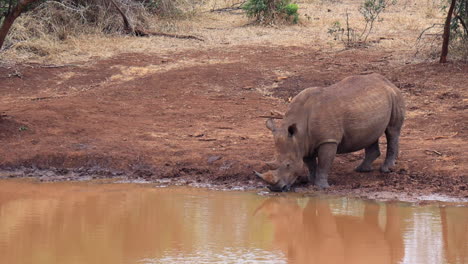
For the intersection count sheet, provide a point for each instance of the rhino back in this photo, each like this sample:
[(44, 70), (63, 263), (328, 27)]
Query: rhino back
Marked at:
[(353, 112)]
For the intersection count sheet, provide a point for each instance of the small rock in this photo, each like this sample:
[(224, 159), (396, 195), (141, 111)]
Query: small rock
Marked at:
[(213, 159), (280, 78)]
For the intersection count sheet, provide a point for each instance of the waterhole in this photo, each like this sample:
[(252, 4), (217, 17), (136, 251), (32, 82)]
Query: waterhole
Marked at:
[(91, 222)]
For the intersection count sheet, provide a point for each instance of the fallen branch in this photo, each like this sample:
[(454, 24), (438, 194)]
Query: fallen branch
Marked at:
[(273, 117), (234, 7), (436, 138), (143, 33), (45, 98), (441, 137), (206, 139), (57, 66)]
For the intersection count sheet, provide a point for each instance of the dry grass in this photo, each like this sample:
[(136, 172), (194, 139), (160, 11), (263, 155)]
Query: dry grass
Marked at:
[(398, 31), (128, 73)]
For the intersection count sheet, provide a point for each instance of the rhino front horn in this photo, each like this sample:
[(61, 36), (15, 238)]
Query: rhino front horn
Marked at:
[(259, 175), (270, 124)]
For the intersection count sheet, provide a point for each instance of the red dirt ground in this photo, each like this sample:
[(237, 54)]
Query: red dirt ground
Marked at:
[(196, 116)]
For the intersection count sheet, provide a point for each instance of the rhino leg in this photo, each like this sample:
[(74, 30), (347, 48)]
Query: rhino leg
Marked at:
[(326, 153), (372, 153), (393, 135), (311, 163)]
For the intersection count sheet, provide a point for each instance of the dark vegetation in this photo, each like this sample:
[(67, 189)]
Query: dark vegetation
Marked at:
[(131, 17)]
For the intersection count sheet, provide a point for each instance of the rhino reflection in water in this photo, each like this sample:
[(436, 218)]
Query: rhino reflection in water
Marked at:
[(314, 235), (320, 122)]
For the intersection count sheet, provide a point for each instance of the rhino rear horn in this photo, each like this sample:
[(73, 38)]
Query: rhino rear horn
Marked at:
[(272, 165)]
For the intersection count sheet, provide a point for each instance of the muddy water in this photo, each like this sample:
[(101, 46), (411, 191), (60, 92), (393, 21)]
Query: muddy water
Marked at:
[(130, 223)]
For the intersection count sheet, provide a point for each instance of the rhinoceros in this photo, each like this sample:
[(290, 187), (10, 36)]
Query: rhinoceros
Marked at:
[(321, 122)]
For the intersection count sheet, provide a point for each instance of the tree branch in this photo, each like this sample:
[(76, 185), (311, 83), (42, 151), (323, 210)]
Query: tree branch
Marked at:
[(424, 31), (11, 17)]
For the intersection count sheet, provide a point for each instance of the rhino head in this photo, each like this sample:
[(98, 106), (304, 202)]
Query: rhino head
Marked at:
[(288, 165)]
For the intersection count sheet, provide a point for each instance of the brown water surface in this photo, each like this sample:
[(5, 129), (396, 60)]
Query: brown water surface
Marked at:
[(138, 223)]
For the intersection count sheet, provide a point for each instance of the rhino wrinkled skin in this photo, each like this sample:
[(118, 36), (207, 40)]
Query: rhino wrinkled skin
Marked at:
[(345, 117)]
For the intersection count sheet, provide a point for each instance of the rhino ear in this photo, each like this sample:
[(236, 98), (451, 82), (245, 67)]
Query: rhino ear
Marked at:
[(270, 124), (292, 130)]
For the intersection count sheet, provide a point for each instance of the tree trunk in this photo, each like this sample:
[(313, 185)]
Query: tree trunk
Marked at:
[(446, 36), (10, 18), (127, 25), (466, 9)]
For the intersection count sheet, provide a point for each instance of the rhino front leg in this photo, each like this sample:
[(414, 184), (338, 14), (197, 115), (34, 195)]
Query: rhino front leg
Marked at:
[(326, 153), (393, 135), (372, 153), (311, 163)]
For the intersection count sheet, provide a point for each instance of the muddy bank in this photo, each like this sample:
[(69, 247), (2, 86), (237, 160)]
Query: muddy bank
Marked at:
[(196, 117), (395, 186)]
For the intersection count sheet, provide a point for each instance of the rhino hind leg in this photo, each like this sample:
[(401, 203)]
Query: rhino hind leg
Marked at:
[(393, 135), (372, 153), (326, 153)]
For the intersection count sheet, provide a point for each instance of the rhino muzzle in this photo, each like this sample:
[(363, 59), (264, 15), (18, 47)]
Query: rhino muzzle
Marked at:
[(279, 188), (274, 184)]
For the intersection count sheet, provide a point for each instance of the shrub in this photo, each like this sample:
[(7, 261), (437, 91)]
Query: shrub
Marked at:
[(370, 11), (291, 11), (269, 11)]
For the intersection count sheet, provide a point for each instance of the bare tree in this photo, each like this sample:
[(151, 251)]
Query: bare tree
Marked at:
[(446, 36), (11, 16), (130, 29)]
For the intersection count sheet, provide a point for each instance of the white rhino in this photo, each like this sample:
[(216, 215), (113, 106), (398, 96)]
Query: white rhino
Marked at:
[(345, 117)]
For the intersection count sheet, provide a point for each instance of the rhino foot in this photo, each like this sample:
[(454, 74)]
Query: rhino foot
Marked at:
[(303, 180), (385, 169), (322, 184), (361, 168)]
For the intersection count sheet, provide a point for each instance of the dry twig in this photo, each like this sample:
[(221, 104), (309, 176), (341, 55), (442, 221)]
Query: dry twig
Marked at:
[(433, 151)]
